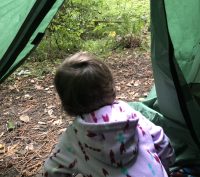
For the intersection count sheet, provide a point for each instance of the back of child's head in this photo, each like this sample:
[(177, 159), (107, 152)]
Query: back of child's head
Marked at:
[(84, 84)]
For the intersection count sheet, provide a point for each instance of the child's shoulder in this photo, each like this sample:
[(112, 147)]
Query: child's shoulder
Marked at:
[(120, 102), (124, 105)]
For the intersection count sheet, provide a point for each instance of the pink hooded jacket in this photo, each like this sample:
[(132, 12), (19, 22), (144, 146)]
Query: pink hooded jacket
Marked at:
[(114, 141)]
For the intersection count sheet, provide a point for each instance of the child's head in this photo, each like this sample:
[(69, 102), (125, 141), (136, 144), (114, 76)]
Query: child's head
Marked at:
[(84, 84)]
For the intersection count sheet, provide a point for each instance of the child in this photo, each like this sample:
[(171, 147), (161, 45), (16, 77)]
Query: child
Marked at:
[(107, 138)]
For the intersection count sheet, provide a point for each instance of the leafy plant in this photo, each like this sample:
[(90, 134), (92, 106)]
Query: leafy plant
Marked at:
[(95, 26)]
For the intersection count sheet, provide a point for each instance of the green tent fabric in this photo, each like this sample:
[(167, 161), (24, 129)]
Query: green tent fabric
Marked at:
[(22, 25), (174, 101)]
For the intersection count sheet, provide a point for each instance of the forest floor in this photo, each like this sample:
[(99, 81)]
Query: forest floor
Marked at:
[(31, 115)]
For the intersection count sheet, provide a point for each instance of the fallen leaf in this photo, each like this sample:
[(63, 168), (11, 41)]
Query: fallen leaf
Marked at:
[(57, 122), (118, 88), (145, 94), (70, 122), (10, 125), (42, 123), (22, 152), (1, 134), (39, 87), (24, 72), (24, 118), (129, 84), (27, 96), (40, 127), (50, 112), (62, 130), (32, 81), (12, 149), (2, 149), (137, 82), (141, 99), (11, 87), (29, 147), (51, 106), (136, 94), (26, 110), (132, 93)]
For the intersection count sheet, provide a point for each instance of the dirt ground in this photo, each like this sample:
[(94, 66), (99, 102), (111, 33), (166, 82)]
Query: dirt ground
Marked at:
[(32, 120)]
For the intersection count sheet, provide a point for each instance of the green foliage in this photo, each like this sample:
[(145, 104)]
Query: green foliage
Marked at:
[(73, 23), (95, 26), (100, 47), (129, 16)]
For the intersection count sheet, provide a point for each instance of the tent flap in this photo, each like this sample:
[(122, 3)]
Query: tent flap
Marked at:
[(25, 30), (174, 51)]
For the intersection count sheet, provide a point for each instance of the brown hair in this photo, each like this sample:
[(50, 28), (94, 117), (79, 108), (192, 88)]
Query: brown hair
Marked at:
[(84, 84)]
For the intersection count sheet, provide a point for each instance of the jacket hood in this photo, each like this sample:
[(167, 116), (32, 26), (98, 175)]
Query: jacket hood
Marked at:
[(109, 134)]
